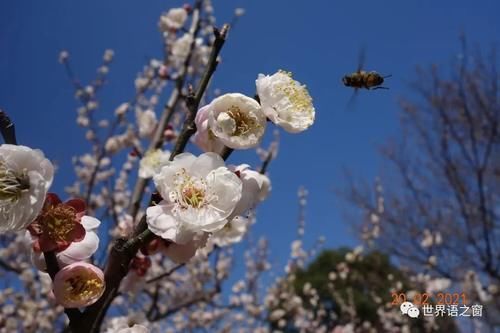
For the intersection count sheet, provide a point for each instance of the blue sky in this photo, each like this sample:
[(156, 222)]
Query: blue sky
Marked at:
[(318, 41)]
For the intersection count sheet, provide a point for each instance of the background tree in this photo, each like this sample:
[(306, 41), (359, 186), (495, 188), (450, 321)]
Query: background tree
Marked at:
[(356, 289), (438, 213)]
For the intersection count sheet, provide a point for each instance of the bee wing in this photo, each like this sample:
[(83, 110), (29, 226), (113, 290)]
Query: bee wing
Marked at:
[(352, 101), (361, 59)]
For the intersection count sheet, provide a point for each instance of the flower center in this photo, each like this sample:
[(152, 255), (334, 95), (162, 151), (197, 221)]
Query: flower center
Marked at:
[(190, 192), (83, 287), (12, 184), (297, 94), (235, 122), (59, 222)]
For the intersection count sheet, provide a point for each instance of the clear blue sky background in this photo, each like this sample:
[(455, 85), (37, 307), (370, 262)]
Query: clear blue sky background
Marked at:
[(317, 40)]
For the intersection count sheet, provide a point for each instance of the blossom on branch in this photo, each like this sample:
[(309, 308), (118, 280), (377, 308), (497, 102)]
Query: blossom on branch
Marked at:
[(146, 121), (152, 162), (79, 284), (204, 138), (285, 101), (236, 120), (232, 232), (173, 19), (25, 177), (58, 224), (76, 251), (199, 193), (181, 48), (256, 188)]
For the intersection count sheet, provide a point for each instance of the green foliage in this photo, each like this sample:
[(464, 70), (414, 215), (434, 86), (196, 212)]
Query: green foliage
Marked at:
[(369, 277), (365, 278)]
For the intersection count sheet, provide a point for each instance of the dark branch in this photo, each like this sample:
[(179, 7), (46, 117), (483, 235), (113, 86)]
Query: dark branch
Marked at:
[(7, 129)]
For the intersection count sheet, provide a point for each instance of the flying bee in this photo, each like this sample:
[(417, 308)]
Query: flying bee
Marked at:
[(362, 79)]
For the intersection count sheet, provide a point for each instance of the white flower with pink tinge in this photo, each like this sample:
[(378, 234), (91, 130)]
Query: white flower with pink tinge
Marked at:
[(199, 193), (25, 177), (236, 120), (285, 101), (204, 138), (79, 284)]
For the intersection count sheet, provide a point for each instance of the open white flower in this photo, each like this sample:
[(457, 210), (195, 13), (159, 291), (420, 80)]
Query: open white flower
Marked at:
[(232, 232), (146, 121), (152, 162), (256, 188), (199, 194), (173, 19), (236, 120), (25, 177), (285, 101)]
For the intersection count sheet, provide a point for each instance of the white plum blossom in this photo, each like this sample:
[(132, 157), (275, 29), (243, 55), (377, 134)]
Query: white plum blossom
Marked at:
[(25, 177), (204, 138), (285, 101), (256, 188), (146, 121), (173, 19), (76, 251), (236, 120), (152, 162), (181, 47), (232, 232), (108, 55), (199, 193)]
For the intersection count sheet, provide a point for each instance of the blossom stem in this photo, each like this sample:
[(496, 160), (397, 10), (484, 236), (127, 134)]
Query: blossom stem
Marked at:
[(226, 152), (265, 164)]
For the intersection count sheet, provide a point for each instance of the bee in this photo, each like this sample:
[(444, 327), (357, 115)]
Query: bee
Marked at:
[(362, 79)]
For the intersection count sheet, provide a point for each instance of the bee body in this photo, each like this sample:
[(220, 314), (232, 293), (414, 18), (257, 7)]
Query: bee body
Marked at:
[(362, 79)]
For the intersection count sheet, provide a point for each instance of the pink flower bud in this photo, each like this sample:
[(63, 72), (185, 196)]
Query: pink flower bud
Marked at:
[(79, 284)]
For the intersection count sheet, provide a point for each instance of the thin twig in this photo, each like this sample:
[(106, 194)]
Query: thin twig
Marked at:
[(168, 112), (167, 273), (193, 99)]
